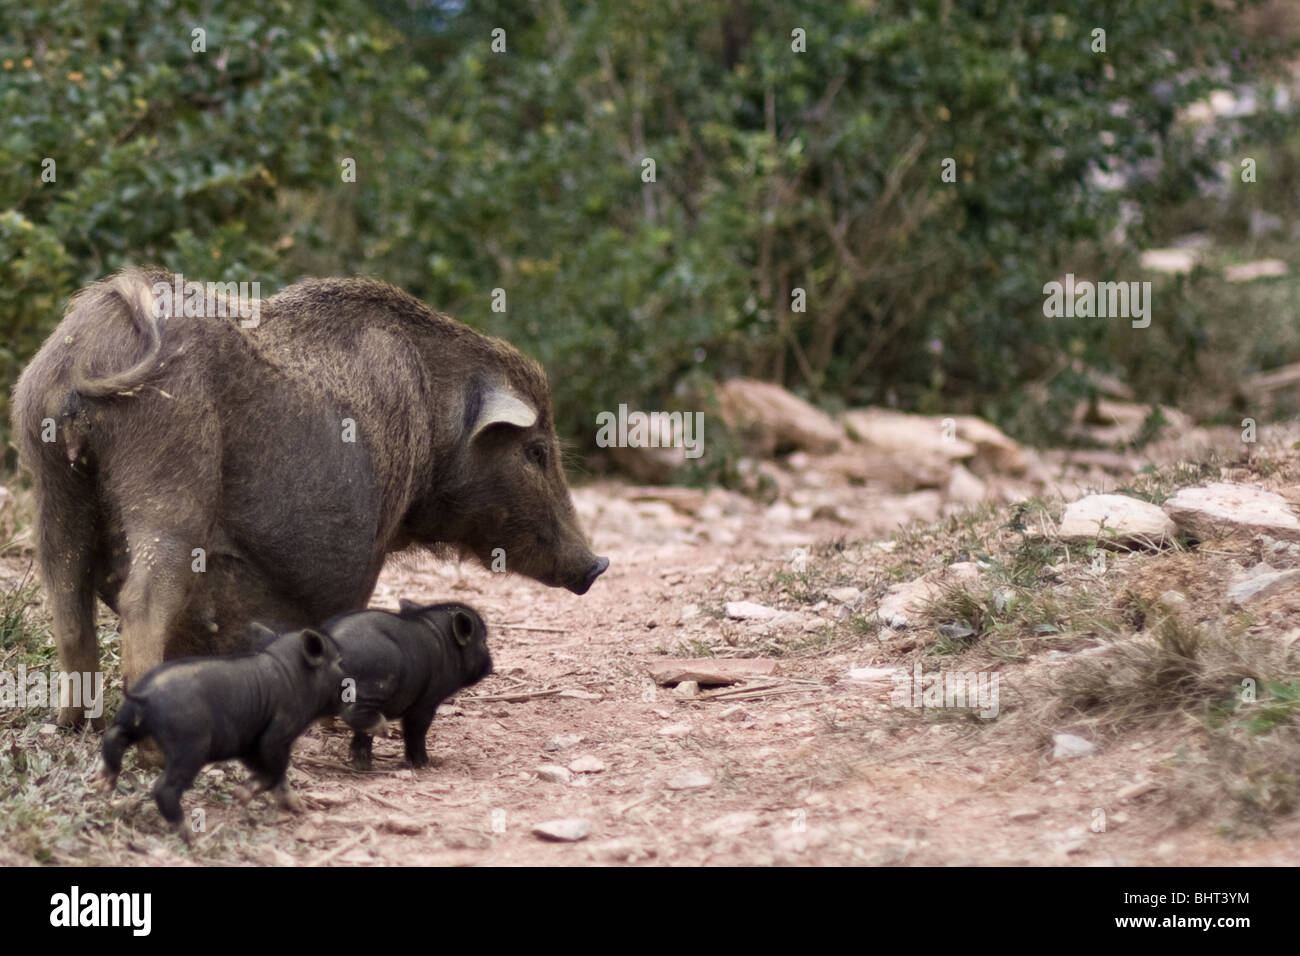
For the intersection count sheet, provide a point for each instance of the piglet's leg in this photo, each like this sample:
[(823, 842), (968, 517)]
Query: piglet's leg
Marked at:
[(178, 778), (415, 727), (360, 751)]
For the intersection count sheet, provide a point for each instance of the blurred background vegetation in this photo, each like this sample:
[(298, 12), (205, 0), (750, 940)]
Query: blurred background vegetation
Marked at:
[(775, 170)]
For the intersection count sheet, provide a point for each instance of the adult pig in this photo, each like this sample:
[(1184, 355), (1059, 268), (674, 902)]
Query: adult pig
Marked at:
[(404, 665), (200, 475)]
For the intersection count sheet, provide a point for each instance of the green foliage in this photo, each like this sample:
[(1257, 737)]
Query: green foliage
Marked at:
[(522, 170)]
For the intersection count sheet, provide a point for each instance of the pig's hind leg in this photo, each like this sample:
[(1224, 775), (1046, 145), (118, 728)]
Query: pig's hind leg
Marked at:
[(176, 779)]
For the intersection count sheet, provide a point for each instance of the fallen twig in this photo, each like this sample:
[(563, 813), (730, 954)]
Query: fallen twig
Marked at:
[(342, 848), (510, 698), (530, 627)]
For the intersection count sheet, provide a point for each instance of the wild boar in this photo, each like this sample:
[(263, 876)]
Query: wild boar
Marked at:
[(404, 665), (199, 475), (204, 709)]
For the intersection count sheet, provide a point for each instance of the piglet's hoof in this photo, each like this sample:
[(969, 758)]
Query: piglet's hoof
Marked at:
[(243, 794), (287, 799), (105, 782)]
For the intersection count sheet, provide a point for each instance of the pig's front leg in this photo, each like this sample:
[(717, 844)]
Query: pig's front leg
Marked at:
[(360, 751), (270, 765), (415, 727)]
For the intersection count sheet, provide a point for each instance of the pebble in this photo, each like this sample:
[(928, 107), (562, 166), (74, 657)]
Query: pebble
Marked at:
[(567, 830)]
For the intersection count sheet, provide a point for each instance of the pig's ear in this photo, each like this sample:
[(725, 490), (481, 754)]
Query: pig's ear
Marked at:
[(407, 607), (261, 634), (315, 648), (462, 626), (502, 407)]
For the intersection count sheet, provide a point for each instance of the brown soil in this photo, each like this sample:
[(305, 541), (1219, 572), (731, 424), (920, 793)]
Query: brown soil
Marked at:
[(817, 770)]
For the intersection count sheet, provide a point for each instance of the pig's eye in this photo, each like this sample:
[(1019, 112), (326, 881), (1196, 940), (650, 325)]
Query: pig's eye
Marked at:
[(537, 455)]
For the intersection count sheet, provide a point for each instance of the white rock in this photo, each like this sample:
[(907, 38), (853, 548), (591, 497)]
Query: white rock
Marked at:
[(554, 773), (1069, 745), (562, 742), (675, 730), (963, 488), (904, 601), (772, 419), (579, 695), (1249, 271), (1168, 260), (844, 595), (1262, 582), (1223, 508), (690, 780), (587, 764), (687, 688), (1117, 518), (874, 675), (568, 830), (749, 611), (732, 824)]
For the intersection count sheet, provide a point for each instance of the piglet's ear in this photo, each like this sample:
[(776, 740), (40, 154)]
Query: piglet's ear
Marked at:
[(462, 626), (315, 648), (407, 607)]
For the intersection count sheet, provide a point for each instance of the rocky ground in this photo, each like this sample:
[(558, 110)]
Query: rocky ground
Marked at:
[(729, 692)]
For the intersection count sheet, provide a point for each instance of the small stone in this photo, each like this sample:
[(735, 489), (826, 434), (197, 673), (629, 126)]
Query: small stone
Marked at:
[(689, 613), (554, 773), (732, 824), (579, 695), (844, 595), (568, 830), (620, 850), (687, 688), (587, 764), (47, 730), (1135, 790), (1020, 816), (1070, 745), (749, 611), (562, 742), (675, 730), (1262, 582), (690, 780)]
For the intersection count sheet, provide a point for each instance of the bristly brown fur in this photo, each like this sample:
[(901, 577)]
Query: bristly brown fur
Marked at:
[(203, 475)]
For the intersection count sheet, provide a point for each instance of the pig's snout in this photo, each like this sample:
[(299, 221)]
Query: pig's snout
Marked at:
[(593, 572)]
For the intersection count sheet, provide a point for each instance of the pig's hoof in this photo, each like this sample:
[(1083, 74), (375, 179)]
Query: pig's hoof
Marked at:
[(243, 794), (105, 783), (184, 832), (361, 762), (291, 802), (418, 760)]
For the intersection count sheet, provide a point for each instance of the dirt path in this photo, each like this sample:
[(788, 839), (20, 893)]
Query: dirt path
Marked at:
[(818, 769), (824, 772)]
